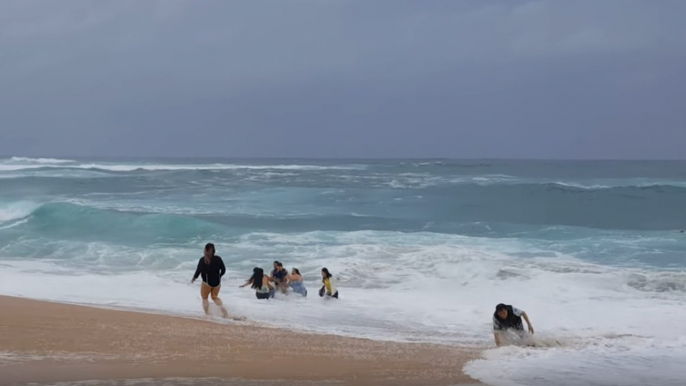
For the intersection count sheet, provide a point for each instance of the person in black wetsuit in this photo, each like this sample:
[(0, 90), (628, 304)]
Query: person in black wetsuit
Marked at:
[(211, 268), (507, 318)]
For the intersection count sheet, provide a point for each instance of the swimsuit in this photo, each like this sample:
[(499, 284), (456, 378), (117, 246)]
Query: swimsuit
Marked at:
[(264, 293), (211, 273)]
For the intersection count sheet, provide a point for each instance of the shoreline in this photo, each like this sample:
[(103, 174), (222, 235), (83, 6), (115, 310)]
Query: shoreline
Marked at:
[(43, 342)]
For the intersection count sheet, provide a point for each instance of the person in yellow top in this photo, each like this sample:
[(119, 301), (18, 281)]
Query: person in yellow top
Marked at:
[(328, 288)]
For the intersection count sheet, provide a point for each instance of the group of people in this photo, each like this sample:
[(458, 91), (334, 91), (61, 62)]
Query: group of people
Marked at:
[(211, 268), (280, 279), (507, 320)]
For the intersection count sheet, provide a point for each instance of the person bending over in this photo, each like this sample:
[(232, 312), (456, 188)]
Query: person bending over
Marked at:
[(509, 319), (328, 288)]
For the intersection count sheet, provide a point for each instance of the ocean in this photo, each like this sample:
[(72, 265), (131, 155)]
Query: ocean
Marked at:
[(423, 251)]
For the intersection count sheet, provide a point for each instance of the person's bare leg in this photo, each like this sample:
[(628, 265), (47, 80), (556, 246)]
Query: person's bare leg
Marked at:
[(205, 290), (218, 302)]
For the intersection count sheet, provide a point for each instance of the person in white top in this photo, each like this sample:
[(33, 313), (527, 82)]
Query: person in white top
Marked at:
[(509, 319)]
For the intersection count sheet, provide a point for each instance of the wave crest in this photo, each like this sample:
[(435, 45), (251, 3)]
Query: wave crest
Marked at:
[(17, 210), (65, 164), (40, 160)]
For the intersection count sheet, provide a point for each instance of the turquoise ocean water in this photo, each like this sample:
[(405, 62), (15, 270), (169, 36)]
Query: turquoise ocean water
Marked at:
[(423, 250)]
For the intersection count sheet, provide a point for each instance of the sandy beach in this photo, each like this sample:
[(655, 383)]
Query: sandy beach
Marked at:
[(48, 343)]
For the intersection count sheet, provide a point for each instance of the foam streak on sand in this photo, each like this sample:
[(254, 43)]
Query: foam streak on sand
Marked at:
[(47, 343)]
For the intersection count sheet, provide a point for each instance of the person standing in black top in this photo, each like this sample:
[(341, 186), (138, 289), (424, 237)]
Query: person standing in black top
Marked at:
[(211, 268)]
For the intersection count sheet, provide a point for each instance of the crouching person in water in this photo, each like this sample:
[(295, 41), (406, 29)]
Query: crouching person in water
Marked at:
[(328, 288), (295, 280), (211, 268), (507, 323), (260, 283)]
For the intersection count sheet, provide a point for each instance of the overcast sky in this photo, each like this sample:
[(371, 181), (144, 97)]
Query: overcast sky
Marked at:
[(298, 78)]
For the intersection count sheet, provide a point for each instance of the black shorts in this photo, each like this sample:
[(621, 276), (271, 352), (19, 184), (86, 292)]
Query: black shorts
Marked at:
[(322, 293), (262, 295)]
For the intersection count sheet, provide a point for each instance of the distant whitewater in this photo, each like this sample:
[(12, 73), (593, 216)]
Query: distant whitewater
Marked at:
[(423, 250)]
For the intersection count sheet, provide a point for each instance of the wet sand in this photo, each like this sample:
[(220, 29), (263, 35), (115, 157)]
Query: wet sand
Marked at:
[(59, 344)]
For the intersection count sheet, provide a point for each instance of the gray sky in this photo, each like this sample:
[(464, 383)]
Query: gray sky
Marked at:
[(297, 78)]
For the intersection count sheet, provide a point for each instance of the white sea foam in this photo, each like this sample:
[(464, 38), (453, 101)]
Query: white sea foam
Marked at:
[(7, 225), (16, 210), (40, 160), (18, 165), (600, 184), (581, 186), (405, 287), (434, 273), (601, 361), (52, 173)]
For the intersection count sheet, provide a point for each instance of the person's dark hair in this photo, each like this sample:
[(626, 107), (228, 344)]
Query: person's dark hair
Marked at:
[(500, 307), (257, 278), (328, 274), (209, 246), (297, 271), (278, 263)]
